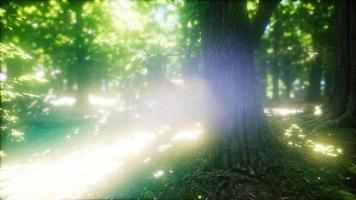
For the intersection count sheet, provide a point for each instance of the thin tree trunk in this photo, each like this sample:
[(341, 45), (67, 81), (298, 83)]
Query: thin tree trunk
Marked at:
[(262, 74), (275, 81), (81, 64), (314, 90), (289, 84)]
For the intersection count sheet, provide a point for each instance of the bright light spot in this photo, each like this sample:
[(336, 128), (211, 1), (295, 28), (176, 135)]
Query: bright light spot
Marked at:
[(328, 150), (294, 128), (147, 160), (187, 135), (125, 17), (199, 124), (135, 144), (288, 133), (63, 101), (317, 110), (199, 197), (39, 74), (321, 148), (76, 131), (45, 110), (104, 117), (158, 173), (164, 147), (34, 25), (189, 24), (55, 72), (163, 129), (101, 101), (2, 154), (301, 136), (18, 135), (282, 111), (165, 16), (178, 82), (3, 77)]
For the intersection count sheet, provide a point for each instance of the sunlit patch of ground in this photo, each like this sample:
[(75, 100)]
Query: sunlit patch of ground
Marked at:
[(121, 133), (296, 137), (282, 111), (329, 151), (71, 175)]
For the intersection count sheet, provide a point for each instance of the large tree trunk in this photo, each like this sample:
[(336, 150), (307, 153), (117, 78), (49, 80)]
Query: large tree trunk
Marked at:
[(314, 90), (342, 104), (238, 124), (340, 98), (351, 104)]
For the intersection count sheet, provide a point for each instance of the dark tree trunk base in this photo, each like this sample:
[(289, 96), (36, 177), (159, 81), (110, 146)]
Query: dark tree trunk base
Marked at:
[(345, 121)]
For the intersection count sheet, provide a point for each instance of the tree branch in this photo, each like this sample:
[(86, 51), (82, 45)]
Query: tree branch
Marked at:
[(263, 15)]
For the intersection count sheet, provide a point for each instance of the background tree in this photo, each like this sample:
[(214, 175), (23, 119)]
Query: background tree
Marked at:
[(304, 55)]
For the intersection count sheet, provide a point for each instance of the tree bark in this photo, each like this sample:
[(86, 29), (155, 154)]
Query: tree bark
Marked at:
[(342, 104), (351, 104), (239, 128), (339, 101)]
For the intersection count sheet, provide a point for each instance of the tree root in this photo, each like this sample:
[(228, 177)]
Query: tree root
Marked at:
[(345, 121)]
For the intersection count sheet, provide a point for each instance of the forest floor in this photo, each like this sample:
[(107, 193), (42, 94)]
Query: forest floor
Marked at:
[(315, 165), (79, 153)]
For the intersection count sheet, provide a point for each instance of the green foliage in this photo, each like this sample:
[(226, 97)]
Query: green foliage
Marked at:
[(10, 50), (78, 45), (299, 31), (10, 92)]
